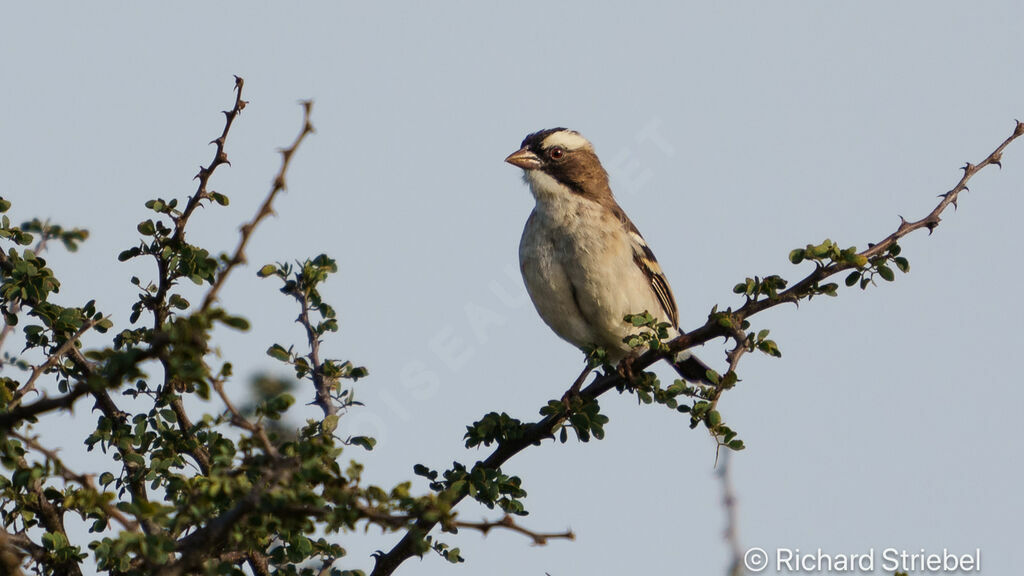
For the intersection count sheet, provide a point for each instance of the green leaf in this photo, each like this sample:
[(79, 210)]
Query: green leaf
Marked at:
[(364, 441), (797, 256), (236, 322), (128, 254), (852, 278), (278, 352), (886, 273), (147, 228), (267, 270), (713, 418)]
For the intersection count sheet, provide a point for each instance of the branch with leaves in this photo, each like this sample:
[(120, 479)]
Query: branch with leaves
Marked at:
[(582, 414)]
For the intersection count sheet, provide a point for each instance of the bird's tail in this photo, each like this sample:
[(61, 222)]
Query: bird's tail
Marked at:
[(691, 368)]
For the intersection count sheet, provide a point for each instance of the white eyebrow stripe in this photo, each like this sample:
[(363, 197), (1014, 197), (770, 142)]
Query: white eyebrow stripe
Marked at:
[(566, 139)]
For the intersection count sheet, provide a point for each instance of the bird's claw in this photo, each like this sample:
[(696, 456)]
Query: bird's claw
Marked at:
[(625, 368)]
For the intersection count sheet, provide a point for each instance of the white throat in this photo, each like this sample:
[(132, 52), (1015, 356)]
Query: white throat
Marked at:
[(546, 189)]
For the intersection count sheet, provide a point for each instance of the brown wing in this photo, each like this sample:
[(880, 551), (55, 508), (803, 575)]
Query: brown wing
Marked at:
[(645, 260)]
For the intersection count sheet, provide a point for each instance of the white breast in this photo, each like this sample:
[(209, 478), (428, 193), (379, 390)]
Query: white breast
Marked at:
[(577, 263)]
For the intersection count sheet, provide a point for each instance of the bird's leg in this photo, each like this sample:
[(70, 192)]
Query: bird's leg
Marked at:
[(625, 367), (574, 390)]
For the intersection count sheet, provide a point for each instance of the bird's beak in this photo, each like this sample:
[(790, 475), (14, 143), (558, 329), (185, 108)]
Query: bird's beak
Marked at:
[(524, 159)]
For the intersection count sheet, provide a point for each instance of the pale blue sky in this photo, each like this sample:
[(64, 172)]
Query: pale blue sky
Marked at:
[(734, 132)]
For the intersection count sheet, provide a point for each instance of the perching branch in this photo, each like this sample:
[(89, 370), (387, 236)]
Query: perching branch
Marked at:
[(724, 324)]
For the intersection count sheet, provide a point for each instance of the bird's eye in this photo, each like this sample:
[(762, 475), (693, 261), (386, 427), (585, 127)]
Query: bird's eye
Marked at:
[(556, 153)]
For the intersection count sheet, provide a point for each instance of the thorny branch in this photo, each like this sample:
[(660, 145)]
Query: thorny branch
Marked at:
[(265, 209), (545, 428), (158, 302), (507, 522)]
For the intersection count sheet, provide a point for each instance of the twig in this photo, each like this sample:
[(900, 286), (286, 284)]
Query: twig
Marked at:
[(507, 522), (731, 532), (386, 563), (242, 422), (323, 388), (50, 361), (23, 412)]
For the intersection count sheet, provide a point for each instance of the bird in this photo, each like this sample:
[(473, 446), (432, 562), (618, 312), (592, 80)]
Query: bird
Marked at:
[(584, 263)]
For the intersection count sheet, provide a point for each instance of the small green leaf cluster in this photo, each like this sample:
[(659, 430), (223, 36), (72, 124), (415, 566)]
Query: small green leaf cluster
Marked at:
[(301, 281), (583, 416), (167, 244), (879, 266), (69, 237), (700, 405), (493, 427), (828, 252), (762, 343), (488, 486), (652, 333), (754, 288), (704, 411)]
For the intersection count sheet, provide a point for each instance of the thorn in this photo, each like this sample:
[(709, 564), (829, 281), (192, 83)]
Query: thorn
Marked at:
[(997, 159), (968, 168), (1019, 130)]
